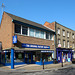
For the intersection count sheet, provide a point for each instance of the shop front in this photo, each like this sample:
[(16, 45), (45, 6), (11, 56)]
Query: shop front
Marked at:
[(64, 54), (28, 55)]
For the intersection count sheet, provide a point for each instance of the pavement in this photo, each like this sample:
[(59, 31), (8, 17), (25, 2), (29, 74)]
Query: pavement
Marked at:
[(29, 68)]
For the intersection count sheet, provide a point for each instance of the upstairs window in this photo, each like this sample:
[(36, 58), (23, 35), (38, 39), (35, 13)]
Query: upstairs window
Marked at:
[(47, 35), (31, 33), (37, 33), (18, 29), (63, 32), (41, 34), (73, 44), (67, 34), (68, 44), (58, 41), (58, 31), (51, 36), (24, 30), (63, 43), (73, 35)]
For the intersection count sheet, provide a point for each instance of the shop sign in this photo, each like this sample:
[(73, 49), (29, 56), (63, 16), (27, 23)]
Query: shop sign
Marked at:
[(47, 51), (15, 39), (35, 46)]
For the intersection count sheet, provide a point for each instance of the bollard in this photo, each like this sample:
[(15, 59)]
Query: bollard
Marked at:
[(62, 59), (62, 63), (43, 65)]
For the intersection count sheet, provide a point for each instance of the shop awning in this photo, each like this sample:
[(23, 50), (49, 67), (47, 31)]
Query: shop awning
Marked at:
[(27, 49)]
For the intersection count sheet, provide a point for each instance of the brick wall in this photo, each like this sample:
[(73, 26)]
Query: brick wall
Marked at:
[(33, 40), (50, 25), (6, 31)]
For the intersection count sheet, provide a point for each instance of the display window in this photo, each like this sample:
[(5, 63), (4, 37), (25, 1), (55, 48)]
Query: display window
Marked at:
[(18, 57), (3, 57), (8, 57), (47, 57)]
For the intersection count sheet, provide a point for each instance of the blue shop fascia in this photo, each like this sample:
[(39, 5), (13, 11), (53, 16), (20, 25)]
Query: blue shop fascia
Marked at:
[(28, 54)]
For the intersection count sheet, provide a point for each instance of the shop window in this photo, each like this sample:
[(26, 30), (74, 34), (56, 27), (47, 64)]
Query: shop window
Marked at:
[(47, 57), (19, 57), (47, 35), (8, 60), (3, 57), (31, 33), (38, 57), (18, 29), (24, 30)]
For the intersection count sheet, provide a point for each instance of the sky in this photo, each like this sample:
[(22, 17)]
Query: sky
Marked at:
[(40, 11)]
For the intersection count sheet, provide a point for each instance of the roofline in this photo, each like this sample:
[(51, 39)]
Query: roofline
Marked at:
[(30, 21), (50, 28), (64, 26)]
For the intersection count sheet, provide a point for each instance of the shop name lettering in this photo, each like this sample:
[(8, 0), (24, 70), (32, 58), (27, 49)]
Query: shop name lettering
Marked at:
[(35, 46)]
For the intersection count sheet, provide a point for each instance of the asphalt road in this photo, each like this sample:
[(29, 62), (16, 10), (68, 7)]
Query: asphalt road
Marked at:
[(68, 71)]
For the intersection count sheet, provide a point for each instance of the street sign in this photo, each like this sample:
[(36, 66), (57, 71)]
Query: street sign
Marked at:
[(15, 39)]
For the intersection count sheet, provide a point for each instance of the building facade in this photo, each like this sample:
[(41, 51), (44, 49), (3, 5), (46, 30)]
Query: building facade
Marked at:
[(25, 42), (65, 41)]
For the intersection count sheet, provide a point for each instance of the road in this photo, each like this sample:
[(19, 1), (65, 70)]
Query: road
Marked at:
[(67, 71)]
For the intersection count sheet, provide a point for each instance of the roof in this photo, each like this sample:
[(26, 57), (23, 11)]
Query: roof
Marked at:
[(28, 22), (64, 26)]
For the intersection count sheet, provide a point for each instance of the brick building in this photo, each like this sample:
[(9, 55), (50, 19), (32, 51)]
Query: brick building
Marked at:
[(64, 41), (35, 42)]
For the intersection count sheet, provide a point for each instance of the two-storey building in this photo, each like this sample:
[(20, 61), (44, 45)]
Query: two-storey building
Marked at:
[(31, 42)]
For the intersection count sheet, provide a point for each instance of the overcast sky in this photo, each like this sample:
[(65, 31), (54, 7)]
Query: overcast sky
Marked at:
[(40, 11)]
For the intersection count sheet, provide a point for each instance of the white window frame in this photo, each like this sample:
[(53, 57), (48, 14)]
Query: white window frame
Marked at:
[(67, 34), (28, 31), (21, 29), (63, 32), (44, 35), (73, 36), (68, 45), (59, 41), (73, 44), (50, 36), (58, 31)]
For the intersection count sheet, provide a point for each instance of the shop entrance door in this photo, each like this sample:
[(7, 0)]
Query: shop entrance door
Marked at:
[(28, 58)]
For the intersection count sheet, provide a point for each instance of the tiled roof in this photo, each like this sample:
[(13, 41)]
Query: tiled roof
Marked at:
[(28, 22)]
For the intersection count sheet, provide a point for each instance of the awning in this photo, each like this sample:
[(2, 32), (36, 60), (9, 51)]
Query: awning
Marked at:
[(27, 49)]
